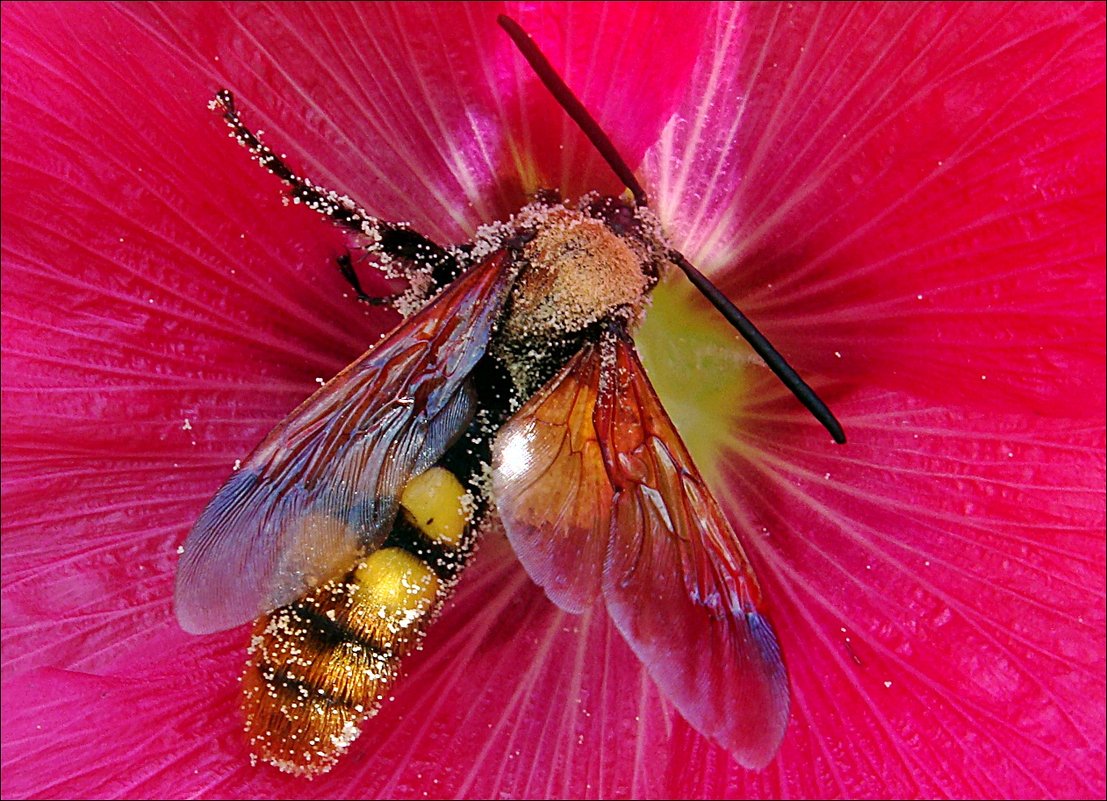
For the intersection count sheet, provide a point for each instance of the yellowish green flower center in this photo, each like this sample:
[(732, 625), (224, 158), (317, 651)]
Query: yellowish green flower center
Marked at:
[(699, 367)]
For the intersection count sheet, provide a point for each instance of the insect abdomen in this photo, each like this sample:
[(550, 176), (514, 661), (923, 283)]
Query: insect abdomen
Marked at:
[(320, 666)]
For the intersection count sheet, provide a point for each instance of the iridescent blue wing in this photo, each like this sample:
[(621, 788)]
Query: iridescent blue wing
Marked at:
[(322, 488)]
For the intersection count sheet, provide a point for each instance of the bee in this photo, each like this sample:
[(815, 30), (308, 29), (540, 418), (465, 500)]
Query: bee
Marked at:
[(512, 385)]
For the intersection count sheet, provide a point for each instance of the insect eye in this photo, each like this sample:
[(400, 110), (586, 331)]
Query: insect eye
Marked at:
[(548, 197), (615, 214)]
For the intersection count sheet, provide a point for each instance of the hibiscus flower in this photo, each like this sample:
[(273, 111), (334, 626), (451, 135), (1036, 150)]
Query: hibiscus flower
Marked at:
[(908, 199)]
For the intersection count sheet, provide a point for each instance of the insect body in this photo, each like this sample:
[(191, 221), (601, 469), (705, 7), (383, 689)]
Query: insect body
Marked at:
[(318, 666), (517, 386)]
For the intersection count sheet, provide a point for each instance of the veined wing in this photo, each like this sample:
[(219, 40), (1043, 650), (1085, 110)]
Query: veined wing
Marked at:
[(599, 495), (321, 489)]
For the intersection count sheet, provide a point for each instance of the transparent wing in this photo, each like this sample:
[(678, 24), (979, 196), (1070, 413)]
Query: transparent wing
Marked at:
[(598, 494), (551, 488), (321, 488), (676, 580)]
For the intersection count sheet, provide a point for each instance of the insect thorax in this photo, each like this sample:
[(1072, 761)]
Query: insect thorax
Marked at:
[(579, 268)]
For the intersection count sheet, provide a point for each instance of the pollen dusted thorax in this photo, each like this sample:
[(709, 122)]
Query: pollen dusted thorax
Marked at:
[(578, 268), (577, 272)]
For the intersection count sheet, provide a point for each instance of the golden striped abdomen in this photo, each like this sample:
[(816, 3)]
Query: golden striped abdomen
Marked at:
[(320, 666)]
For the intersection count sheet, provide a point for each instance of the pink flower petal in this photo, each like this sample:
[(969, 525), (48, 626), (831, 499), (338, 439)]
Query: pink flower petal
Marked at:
[(916, 190), (939, 593)]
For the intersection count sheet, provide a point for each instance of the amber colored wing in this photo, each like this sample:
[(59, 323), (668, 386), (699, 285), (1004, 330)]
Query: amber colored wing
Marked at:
[(598, 494), (677, 582), (551, 488), (321, 488)]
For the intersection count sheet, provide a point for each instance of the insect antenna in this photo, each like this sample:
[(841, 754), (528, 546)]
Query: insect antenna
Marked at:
[(391, 238), (588, 125), (573, 107), (760, 343)]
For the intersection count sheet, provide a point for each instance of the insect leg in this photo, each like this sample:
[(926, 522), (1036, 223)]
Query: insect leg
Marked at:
[(346, 267), (391, 242)]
